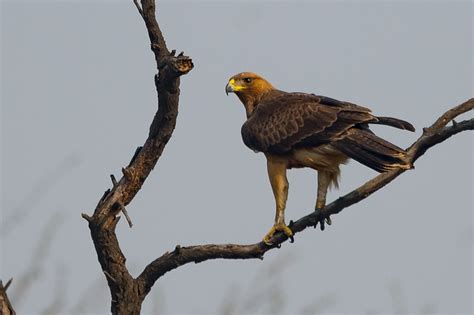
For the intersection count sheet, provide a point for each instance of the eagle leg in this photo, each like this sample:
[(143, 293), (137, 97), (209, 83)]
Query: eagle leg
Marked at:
[(277, 174), (324, 180)]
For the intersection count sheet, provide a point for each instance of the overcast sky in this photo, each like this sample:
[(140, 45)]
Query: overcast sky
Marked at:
[(78, 97)]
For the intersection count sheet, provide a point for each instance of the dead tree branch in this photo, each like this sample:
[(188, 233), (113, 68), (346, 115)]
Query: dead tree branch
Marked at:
[(127, 292), (5, 305), (435, 134)]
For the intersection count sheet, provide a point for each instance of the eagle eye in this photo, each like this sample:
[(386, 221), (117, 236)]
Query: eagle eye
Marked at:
[(248, 80)]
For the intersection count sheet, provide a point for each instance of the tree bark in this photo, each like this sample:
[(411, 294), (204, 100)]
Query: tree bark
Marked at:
[(5, 306), (128, 293)]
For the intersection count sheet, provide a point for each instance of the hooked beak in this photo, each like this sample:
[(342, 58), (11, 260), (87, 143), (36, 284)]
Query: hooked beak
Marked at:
[(229, 88), (232, 87)]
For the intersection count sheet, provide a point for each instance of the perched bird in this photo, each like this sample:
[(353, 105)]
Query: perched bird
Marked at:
[(297, 130)]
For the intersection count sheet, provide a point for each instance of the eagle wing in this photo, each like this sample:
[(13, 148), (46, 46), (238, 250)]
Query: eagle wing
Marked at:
[(285, 121)]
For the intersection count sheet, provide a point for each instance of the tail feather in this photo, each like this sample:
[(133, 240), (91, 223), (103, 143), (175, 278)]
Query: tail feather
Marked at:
[(372, 151), (394, 122), (373, 143)]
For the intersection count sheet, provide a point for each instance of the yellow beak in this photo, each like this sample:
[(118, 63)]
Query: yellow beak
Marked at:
[(231, 87)]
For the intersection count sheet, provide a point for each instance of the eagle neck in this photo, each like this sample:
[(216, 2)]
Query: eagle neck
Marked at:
[(251, 101)]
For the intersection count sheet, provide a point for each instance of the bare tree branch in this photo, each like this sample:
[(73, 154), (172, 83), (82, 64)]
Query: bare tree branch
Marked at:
[(139, 8), (128, 293), (431, 136), (5, 305)]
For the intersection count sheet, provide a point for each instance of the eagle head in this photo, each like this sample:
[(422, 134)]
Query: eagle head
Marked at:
[(249, 87)]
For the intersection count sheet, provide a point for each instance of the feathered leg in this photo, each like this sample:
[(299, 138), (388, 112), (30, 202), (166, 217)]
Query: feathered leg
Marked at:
[(324, 180), (277, 175)]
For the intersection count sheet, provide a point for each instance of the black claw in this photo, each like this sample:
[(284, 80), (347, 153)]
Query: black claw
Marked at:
[(321, 221), (291, 223), (292, 239)]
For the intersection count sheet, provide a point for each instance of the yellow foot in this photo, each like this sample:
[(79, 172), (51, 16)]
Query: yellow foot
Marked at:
[(280, 227)]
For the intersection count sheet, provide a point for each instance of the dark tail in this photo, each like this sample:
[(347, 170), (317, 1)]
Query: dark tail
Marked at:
[(394, 122), (365, 147)]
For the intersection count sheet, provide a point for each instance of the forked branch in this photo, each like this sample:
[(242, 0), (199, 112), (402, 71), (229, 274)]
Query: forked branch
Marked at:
[(126, 296), (6, 307), (127, 292)]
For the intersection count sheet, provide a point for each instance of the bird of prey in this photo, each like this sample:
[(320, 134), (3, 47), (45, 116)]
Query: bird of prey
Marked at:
[(297, 130)]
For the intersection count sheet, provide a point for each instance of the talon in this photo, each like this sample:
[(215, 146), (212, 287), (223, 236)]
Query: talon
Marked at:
[(281, 227), (268, 236), (323, 220), (328, 220)]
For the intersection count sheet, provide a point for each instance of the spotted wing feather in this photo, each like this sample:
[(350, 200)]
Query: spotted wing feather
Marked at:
[(284, 121)]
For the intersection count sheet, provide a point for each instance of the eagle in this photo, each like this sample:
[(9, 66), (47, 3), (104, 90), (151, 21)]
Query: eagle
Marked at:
[(296, 130)]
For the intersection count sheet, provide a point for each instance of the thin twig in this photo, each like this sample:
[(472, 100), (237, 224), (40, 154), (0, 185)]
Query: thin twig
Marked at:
[(113, 179), (8, 284), (127, 217), (139, 8), (110, 277)]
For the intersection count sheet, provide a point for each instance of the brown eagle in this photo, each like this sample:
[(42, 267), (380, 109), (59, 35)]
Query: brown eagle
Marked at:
[(305, 130)]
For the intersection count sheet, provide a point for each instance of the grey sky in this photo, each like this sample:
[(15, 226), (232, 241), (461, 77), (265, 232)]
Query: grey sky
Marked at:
[(77, 91)]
